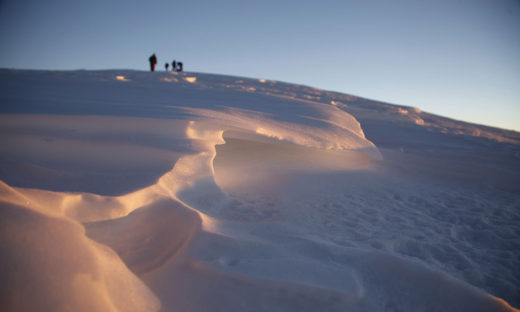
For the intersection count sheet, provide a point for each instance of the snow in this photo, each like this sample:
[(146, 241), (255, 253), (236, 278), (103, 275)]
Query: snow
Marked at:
[(134, 191)]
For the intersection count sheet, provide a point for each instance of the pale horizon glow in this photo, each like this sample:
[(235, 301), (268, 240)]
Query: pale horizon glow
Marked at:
[(456, 59)]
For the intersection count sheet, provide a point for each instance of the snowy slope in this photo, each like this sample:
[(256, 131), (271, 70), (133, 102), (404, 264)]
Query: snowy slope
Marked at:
[(136, 191)]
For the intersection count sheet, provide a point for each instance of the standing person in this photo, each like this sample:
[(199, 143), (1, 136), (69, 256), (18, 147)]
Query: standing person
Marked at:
[(153, 62), (179, 64), (174, 65), (166, 66)]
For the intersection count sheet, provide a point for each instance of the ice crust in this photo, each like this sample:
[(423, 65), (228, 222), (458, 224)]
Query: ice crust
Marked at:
[(134, 191)]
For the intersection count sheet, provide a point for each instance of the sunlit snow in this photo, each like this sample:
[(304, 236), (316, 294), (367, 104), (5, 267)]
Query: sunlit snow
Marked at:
[(134, 191)]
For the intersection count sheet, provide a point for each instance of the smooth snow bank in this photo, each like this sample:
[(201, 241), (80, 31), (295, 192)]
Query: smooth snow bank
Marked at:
[(143, 95), (134, 191), (49, 264)]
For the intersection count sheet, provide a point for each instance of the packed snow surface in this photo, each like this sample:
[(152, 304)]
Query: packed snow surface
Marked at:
[(135, 191)]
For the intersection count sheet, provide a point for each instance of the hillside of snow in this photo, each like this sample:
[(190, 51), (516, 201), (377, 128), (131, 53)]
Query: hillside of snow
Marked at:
[(134, 191)]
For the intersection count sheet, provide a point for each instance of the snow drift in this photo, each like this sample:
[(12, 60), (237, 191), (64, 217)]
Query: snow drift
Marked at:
[(135, 191)]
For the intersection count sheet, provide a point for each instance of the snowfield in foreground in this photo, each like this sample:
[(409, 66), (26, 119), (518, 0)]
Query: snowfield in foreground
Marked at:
[(135, 191)]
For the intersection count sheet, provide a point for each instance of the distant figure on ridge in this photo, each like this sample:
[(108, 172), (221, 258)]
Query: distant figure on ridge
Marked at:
[(153, 62), (174, 65), (179, 66), (166, 66)]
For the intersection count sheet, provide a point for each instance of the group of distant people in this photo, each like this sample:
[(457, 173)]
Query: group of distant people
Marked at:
[(176, 66)]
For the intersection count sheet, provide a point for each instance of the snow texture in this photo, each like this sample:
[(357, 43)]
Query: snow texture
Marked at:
[(134, 191)]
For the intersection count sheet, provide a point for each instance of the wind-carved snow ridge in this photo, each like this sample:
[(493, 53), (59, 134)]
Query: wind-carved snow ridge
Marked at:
[(192, 178), (340, 132), (137, 191)]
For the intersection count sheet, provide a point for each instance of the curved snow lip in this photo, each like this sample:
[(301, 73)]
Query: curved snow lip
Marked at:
[(340, 132)]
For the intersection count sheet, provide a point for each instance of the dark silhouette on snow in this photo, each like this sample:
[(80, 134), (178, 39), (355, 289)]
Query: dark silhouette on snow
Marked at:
[(179, 66), (166, 65), (153, 62), (174, 65)]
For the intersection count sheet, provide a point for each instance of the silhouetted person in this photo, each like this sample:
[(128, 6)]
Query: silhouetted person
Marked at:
[(179, 66), (174, 65), (153, 62), (166, 66)]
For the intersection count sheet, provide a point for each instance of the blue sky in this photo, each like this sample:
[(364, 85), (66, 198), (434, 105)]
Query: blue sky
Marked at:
[(456, 58)]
